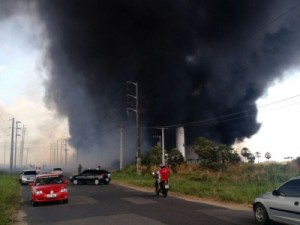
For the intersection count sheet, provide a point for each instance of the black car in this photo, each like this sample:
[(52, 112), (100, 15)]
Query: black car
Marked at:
[(95, 176)]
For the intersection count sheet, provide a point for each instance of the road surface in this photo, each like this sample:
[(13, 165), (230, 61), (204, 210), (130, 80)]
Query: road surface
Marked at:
[(113, 205)]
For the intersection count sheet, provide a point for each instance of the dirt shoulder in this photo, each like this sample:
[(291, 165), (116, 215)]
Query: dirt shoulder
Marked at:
[(228, 205)]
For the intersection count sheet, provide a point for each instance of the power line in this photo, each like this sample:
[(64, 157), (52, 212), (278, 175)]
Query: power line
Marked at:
[(222, 118)]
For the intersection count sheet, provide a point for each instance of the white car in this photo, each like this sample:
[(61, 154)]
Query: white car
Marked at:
[(58, 171), (282, 205), (27, 176)]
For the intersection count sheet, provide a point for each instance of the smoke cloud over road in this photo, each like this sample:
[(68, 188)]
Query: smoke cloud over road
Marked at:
[(199, 63)]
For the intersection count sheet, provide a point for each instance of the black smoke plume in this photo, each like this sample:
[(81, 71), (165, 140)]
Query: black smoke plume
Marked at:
[(198, 63)]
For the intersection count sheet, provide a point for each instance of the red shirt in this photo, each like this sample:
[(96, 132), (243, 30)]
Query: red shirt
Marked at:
[(164, 173)]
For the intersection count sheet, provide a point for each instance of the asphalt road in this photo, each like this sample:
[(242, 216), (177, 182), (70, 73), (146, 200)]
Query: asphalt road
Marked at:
[(113, 205)]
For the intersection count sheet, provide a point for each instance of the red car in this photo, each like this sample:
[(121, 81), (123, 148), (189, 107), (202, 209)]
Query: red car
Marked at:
[(49, 188)]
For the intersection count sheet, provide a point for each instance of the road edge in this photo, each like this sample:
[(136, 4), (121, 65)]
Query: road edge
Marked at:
[(229, 205)]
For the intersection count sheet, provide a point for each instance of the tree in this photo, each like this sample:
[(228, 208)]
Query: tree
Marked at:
[(235, 158), (251, 158), (214, 156), (153, 157), (258, 155), (268, 155), (175, 157), (225, 152), (245, 152), (204, 148)]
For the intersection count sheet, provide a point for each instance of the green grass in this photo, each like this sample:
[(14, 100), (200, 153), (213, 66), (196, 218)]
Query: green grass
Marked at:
[(237, 184), (9, 197)]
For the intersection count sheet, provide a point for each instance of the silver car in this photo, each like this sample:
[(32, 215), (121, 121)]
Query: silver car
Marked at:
[(282, 205), (27, 176)]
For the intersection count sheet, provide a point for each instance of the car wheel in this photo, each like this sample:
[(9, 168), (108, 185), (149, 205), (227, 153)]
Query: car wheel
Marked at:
[(75, 181), (96, 181), (65, 201), (260, 214), (33, 203)]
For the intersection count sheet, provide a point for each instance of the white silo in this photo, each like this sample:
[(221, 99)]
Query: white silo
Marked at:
[(180, 145)]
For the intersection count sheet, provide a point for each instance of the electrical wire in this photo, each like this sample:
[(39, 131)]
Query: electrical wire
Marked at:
[(226, 117)]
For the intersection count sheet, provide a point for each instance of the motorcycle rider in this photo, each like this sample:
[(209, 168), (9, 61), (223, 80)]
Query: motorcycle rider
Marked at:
[(163, 174)]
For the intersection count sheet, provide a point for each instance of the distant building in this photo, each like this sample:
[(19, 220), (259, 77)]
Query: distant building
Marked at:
[(191, 156)]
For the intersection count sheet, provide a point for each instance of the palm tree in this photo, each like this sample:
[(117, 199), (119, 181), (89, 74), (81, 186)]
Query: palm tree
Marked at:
[(251, 158), (268, 155), (245, 152), (258, 155)]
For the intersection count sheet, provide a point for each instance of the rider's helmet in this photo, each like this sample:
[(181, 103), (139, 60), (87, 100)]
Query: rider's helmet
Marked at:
[(161, 165)]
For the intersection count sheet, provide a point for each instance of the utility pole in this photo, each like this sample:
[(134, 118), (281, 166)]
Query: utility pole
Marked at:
[(61, 152), (57, 155), (136, 110), (22, 145), (121, 146), (12, 145), (162, 144), (16, 144), (66, 159), (50, 153), (4, 153), (27, 155)]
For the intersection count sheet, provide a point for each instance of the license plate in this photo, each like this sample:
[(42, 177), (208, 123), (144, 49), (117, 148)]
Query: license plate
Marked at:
[(167, 186), (51, 196)]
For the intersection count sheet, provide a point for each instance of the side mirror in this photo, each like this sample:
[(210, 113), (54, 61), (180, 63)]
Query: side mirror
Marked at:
[(276, 192)]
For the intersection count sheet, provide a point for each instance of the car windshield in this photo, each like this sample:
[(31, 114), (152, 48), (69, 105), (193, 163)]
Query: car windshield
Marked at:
[(30, 173), (48, 180), (57, 169)]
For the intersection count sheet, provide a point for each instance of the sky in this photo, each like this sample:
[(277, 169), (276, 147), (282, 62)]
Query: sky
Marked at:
[(22, 92), (278, 113), (63, 75)]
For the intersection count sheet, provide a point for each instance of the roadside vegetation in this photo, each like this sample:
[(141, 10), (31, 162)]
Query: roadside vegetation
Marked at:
[(235, 183), (219, 173), (9, 197)]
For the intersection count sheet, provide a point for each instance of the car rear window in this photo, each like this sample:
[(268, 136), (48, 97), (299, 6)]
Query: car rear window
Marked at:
[(48, 180)]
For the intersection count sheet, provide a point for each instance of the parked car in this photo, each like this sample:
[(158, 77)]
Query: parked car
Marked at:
[(49, 188), (27, 176), (282, 205), (58, 171), (95, 176)]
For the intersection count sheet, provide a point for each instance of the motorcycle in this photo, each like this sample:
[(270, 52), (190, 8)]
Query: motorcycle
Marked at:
[(161, 187)]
